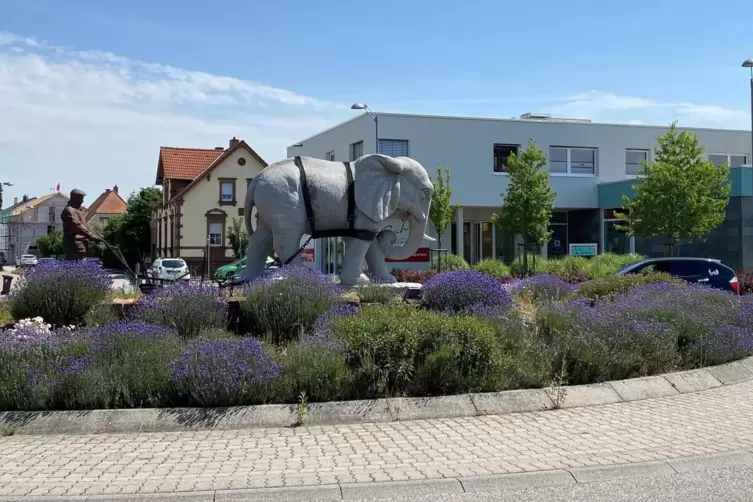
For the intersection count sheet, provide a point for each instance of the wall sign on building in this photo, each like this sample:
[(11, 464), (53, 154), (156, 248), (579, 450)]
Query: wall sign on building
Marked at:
[(586, 250), (309, 252)]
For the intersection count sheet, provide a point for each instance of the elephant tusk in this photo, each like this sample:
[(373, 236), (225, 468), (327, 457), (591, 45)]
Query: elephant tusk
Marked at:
[(430, 239)]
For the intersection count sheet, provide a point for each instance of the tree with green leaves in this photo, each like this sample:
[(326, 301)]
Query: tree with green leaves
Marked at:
[(528, 202), (442, 211), (680, 194), (238, 237), (131, 232), (51, 244)]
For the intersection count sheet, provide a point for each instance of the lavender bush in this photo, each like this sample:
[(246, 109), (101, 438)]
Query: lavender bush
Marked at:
[(544, 287), (123, 364), (648, 329), (224, 372), (62, 293), (284, 304), (189, 308), (465, 291)]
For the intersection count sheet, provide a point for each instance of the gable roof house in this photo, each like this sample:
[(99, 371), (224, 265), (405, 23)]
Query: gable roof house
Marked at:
[(25, 221), (203, 189), (108, 204)]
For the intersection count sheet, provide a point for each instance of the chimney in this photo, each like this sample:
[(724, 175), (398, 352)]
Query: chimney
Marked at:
[(107, 190), (15, 200), (234, 142), (115, 189), (25, 198), (218, 148)]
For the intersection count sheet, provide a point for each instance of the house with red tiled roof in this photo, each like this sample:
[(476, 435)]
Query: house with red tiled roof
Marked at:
[(26, 221), (108, 204), (203, 190)]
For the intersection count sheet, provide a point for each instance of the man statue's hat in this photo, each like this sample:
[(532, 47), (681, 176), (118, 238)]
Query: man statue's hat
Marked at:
[(77, 191)]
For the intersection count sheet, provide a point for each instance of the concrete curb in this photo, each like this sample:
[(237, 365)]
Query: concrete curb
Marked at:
[(376, 410), (442, 486)]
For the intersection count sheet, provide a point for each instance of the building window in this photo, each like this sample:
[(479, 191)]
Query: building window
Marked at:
[(501, 154), (330, 155), (51, 215), (566, 160), (104, 219), (633, 159), (227, 191), (615, 240), (50, 229), (215, 234), (393, 147), (732, 159), (356, 150)]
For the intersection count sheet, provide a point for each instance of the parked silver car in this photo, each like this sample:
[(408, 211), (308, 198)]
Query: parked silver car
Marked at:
[(169, 269)]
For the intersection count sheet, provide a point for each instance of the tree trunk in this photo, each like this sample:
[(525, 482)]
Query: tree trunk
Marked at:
[(439, 253)]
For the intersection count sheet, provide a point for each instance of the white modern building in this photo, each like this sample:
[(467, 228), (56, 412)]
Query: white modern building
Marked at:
[(591, 166)]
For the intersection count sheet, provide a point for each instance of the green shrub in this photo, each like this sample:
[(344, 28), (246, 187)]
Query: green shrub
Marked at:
[(374, 293), (492, 267), (321, 373), (605, 288), (397, 350), (451, 262), (577, 268), (283, 306)]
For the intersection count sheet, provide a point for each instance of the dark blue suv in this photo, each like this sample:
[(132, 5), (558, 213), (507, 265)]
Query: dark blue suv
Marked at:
[(700, 270)]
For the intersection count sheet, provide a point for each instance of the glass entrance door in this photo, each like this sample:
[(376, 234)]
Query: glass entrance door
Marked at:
[(332, 251), (481, 241)]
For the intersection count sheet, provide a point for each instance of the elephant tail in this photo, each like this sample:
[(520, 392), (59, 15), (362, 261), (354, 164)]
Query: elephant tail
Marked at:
[(249, 205)]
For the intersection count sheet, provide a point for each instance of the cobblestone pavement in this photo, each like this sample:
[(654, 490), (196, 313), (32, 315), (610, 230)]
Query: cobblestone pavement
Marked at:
[(689, 424)]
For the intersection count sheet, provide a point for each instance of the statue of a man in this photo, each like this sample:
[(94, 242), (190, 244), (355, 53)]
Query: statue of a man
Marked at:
[(76, 231)]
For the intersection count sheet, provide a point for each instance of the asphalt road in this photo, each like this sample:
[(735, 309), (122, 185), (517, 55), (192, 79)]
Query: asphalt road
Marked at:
[(728, 485)]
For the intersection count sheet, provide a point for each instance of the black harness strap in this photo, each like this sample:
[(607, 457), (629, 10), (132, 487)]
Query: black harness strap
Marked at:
[(351, 231)]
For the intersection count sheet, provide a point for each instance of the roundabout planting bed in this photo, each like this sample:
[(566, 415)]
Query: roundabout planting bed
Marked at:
[(310, 342)]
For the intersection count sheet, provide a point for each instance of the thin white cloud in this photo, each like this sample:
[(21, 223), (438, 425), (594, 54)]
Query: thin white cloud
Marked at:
[(609, 107), (93, 119)]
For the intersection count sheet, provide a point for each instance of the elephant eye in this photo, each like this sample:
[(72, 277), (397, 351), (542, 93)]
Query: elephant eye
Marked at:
[(426, 191)]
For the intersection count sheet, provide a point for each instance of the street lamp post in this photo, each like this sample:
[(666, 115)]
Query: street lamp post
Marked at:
[(748, 63), (361, 106)]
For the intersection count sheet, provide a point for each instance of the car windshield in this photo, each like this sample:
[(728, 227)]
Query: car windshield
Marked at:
[(28, 256), (173, 263)]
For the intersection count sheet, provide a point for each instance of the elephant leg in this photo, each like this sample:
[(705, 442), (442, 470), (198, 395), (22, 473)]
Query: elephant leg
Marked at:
[(286, 244), (355, 252), (259, 244), (377, 265)]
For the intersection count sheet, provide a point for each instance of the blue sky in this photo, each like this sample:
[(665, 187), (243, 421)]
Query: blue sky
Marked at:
[(96, 87)]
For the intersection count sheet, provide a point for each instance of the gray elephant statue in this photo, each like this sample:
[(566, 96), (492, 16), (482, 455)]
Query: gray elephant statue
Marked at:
[(384, 188)]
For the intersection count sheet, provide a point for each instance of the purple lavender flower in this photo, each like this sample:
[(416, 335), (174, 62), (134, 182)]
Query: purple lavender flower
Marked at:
[(465, 291), (188, 308), (320, 335), (543, 287), (285, 303), (62, 293), (224, 372)]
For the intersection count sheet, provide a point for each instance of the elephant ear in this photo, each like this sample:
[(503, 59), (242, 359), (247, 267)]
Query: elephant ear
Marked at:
[(377, 185)]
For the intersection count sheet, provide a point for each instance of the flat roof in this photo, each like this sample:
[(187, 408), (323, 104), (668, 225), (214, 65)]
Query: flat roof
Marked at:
[(554, 120)]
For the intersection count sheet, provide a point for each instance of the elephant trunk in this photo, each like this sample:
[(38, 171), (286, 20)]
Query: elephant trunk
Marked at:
[(415, 239)]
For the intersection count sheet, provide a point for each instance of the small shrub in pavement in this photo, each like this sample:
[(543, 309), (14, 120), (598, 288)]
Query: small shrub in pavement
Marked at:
[(465, 291), (188, 307), (62, 293), (284, 304)]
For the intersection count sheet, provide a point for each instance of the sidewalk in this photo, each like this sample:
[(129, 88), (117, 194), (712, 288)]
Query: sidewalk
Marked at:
[(712, 421)]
